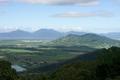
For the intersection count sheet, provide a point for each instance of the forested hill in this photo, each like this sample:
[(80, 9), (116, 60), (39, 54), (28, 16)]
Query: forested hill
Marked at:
[(105, 67), (90, 40)]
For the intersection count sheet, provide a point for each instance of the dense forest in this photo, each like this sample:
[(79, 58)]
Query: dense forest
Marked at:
[(105, 67)]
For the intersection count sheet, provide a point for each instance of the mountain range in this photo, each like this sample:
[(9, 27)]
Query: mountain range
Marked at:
[(43, 34), (48, 34), (89, 39)]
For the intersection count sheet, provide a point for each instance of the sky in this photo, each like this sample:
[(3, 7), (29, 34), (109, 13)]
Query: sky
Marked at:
[(98, 16)]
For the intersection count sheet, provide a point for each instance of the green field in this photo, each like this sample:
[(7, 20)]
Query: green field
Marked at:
[(33, 53)]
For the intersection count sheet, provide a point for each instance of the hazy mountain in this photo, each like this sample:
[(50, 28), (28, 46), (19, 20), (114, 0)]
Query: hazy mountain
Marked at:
[(18, 34), (90, 40), (43, 34), (49, 34), (113, 35)]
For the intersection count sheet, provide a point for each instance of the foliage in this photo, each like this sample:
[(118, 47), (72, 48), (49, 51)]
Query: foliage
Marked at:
[(90, 40), (6, 72), (105, 67)]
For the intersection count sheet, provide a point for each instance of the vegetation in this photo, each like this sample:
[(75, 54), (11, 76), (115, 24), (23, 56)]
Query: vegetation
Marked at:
[(90, 40), (61, 62), (105, 67), (37, 56), (6, 72)]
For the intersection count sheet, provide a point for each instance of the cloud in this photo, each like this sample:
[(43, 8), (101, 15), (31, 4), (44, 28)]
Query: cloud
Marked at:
[(79, 14), (63, 2)]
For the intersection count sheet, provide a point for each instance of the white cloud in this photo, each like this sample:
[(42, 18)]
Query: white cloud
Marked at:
[(79, 14), (63, 2), (90, 3)]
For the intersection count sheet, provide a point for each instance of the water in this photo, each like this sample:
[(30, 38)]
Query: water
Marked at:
[(18, 68)]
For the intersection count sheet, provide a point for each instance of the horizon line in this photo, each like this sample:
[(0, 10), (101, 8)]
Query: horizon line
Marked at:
[(60, 31)]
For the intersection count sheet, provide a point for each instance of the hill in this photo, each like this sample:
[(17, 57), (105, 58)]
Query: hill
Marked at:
[(90, 40), (18, 34), (113, 35), (47, 34), (42, 34), (106, 67)]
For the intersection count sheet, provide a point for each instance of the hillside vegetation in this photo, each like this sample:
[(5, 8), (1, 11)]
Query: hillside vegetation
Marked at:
[(90, 40), (105, 67)]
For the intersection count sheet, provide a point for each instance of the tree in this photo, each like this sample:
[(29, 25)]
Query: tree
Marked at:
[(6, 72)]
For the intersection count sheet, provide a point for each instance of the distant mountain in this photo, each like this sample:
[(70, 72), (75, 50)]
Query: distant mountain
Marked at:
[(90, 40), (18, 34), (43, 34), (113, 35), (48, 34)]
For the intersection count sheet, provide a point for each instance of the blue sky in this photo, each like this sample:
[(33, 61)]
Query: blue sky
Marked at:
[(78, 15)]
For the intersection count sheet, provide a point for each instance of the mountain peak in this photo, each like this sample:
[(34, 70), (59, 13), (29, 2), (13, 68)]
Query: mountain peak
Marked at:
[(93, 36), (84, 35), (73, 35), (46, 30), (19, 30), (90, 34)]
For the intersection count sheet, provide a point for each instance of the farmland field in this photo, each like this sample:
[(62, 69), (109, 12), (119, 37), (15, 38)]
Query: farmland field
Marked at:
[(33, 53)]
